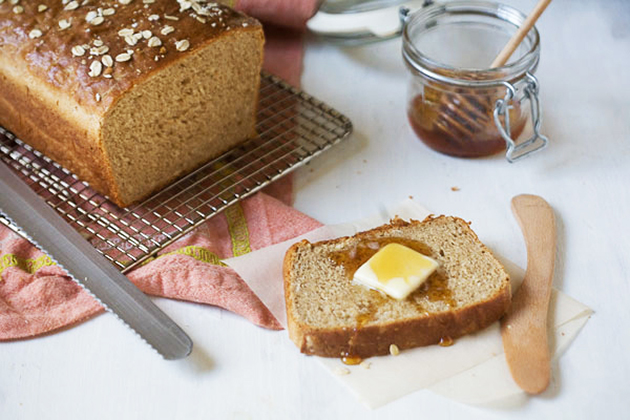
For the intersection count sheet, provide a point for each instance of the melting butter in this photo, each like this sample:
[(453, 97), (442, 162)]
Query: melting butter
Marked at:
[(395, 270)]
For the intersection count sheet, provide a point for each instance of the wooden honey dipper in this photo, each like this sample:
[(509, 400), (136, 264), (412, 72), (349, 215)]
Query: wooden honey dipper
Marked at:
[(518, 37), (462, 115)]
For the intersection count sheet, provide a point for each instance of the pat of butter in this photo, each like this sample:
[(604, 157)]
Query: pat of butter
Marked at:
[(395, 270)]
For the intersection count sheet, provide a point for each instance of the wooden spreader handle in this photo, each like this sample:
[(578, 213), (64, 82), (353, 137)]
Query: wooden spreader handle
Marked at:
[(524, 328)]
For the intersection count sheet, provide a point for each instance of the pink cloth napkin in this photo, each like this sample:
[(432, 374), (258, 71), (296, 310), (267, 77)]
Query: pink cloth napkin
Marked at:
[(37, 297), (287, 13)]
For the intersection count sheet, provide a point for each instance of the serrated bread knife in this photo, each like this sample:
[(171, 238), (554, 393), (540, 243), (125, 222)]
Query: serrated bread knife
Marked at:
[(54, 236)]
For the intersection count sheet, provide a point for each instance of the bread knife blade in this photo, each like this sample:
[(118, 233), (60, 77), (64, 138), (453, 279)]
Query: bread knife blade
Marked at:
[(47, 230)]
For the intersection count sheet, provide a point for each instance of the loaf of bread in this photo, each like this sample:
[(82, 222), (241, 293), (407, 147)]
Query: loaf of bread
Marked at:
[(330, 315), (128, 94)]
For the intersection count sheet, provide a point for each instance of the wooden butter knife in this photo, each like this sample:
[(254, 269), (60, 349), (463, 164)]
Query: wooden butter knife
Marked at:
[(524, 328)]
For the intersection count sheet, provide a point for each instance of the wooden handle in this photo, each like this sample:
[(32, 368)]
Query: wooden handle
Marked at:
[(524, 328), (518, 37)]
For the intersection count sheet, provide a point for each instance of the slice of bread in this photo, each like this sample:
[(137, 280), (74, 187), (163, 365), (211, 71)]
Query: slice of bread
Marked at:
[(330, 315)]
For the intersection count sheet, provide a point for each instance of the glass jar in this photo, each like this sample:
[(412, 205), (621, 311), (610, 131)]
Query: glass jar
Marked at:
[(457, 105)]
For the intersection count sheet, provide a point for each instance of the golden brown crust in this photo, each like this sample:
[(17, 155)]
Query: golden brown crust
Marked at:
[(372, 340), (63, 141), (51, 100), (295, 331), (49, 56)]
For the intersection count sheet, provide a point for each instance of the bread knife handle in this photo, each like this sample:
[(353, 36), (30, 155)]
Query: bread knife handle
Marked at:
[(53, 235)]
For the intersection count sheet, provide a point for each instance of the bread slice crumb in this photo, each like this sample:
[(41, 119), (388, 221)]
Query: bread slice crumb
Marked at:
[(394, 350), (342, 371), (329, 315)]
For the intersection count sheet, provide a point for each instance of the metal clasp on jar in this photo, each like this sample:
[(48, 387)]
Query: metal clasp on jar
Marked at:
[(537, 141)]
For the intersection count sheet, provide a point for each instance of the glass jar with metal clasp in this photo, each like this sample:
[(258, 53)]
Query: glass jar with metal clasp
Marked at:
[(456, 104)]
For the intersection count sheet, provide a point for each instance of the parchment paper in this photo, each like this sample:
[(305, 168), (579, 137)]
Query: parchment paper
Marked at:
[(472, 371)]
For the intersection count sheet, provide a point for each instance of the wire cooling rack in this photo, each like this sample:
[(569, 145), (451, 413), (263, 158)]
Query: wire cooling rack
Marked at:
[(293, 127)]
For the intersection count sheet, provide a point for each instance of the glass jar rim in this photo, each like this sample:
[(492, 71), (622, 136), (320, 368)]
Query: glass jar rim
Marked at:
[(484, 77)]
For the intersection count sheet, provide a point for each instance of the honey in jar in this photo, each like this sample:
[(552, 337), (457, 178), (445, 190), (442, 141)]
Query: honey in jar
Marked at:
[(456, 104), (461, 123)]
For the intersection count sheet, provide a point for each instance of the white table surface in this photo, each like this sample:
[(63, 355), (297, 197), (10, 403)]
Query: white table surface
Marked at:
[(99, 370)]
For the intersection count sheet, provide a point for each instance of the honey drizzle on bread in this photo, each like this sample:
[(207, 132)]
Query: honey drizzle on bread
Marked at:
[(436, 288)]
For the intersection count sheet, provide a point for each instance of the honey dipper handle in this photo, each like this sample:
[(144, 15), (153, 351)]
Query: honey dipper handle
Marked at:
[(518, 37)]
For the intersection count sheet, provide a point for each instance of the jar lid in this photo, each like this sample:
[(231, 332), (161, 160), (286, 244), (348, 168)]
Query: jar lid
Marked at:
[(359, 21), (356, 6)]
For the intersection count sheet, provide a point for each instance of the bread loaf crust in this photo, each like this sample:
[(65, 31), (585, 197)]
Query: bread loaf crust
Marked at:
[(53, 100), (49, 57), (372, 340)]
